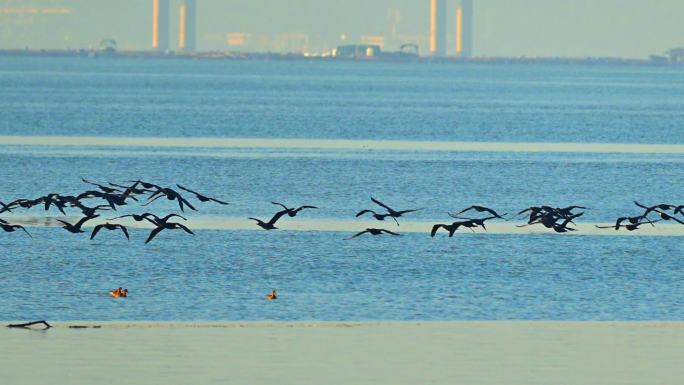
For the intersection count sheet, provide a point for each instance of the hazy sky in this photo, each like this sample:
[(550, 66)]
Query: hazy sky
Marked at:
[(577, 28)]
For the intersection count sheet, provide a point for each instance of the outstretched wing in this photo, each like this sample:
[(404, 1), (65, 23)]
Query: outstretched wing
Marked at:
[(84, 220), (277, 216), (381, 204), (154, 233), (125, 231), (184, 228), (364, 211), (389, 232), (95, 231), (281, 205), (435, 228), (219, 201), (22, 227), (357, 234), (187, 189)]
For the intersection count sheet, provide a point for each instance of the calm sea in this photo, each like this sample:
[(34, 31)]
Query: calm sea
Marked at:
[(222, 274)]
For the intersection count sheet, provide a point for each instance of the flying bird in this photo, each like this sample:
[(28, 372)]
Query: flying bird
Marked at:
[(373, 231), (167, 226), (393, 213), (76, 227), (291, 211), (109, 226), (380, 217), (479, 209), (202, 198), (8, 228), (270, 225)]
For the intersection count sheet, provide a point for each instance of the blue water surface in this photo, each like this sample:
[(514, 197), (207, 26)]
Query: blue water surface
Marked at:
[(224, 275)]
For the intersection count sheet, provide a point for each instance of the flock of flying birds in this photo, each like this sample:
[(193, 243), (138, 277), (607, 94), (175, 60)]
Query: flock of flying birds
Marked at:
[(113, 195)]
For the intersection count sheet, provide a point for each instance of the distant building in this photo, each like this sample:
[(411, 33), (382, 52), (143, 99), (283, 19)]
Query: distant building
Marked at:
[(160, 25), (187, 26), (438, 27), (464, 29), (357, 51)]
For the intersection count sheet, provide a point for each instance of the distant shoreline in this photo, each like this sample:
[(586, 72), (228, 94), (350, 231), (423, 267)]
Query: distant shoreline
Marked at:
[(387, 57)]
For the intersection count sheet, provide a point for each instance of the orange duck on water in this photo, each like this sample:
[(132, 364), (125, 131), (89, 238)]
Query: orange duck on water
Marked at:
[(118, 293), (273, 295)]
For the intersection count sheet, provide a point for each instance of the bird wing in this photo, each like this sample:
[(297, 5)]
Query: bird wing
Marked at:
[(307, 207), (183, 200), (277, 216), (219, 201), (154, 233), (125, 231), (363, 212), (435, 228), (357, 234), (166, 218), (389, 232), (188, 190), (95, 231), (407, 211), (184, 228), (84, 220), (381, 204), (281, 205)]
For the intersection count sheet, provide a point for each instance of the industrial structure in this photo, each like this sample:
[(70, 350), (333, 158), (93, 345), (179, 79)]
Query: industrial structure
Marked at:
[(187, 25), (160, 25), (464, 28)]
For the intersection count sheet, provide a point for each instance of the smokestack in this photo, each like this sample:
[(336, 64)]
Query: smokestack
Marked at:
[(437, 27), (187, 29), (465, 30), (160, 25)]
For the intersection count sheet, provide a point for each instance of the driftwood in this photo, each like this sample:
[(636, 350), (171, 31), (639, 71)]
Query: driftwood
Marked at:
[(26, 325)]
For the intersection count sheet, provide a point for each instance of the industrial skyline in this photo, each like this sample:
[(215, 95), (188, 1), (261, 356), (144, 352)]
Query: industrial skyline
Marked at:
[(187, 25), (524, 28), (463, 22)]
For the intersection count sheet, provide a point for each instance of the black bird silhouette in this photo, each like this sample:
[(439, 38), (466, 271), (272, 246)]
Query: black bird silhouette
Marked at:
[(132, 190), (76, 227), (106, 189), (450, 228), (109, 226), (89, 211), (291, 211), (202, 198), (393, 213), (629, 227), (170, 194), (479, 209), (632, 220), (567, 211), (270, 225), (167, 226), (8, 228), (113, 199), (380, 217), (679, 210), (155, 220), (563, 227), (4, 207), (662, 207), (150, 187), (373, 231), (477, 221)]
